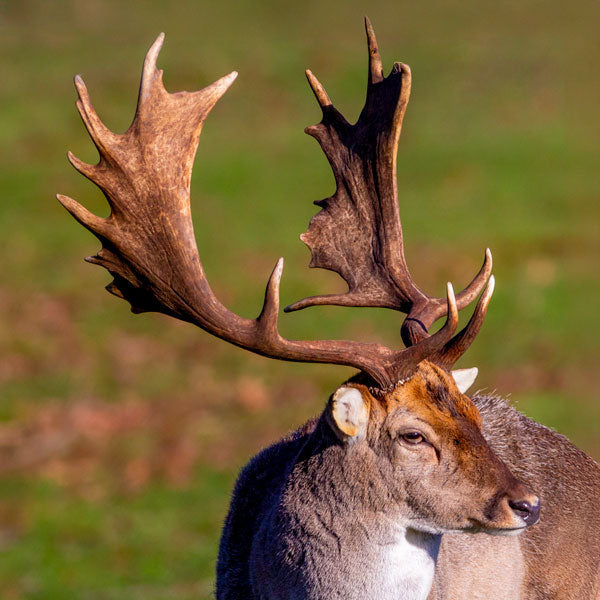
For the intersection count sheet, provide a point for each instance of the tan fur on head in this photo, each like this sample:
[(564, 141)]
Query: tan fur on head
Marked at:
[(435, 394)]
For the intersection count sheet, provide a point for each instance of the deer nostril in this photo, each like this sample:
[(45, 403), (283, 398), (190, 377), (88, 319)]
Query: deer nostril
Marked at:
[(530, 513)]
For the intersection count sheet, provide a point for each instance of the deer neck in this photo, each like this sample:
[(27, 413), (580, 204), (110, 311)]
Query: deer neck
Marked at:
[(381, 559), (345, 541)]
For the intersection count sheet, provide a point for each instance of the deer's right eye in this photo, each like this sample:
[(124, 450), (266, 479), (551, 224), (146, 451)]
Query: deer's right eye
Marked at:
[(412, 437)]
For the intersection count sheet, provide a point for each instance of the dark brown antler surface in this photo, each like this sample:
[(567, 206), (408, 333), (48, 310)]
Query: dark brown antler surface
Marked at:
[(148, 242), (358, 233)]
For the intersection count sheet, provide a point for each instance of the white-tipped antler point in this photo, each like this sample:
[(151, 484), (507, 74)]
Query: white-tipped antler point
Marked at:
[(227, 80), (81, 88), (268, 315), (318, 90), (452, 308), (279, 267), (149, 70), (156, 47), (490, 286)]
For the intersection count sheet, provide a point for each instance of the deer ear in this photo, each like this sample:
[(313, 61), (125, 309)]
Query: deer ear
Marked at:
[(348, 413), (465, 378)]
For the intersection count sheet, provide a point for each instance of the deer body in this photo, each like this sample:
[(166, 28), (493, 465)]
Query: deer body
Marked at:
[(559, 558)]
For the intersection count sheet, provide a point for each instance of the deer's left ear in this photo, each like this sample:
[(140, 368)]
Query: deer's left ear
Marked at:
[(464, 378), (348, 413)]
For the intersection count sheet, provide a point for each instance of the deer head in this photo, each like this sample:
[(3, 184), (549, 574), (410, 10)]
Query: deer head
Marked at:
[(408, 407), (435, 470)]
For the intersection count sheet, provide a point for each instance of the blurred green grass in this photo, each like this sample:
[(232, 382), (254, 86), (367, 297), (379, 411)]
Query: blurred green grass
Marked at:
[(121, 435)]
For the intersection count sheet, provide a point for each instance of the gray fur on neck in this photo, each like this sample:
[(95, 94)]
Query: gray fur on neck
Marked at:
[(325, 531)]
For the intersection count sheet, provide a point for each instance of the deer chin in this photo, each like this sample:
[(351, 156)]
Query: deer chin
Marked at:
[(478, 526), (505, 532), (473, 525), (519, 527), (434, 528)]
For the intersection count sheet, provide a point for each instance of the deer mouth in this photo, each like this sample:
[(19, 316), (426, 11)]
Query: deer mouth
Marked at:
[(523, 517)]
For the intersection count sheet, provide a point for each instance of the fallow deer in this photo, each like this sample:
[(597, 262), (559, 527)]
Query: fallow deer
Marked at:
[(401, 470)]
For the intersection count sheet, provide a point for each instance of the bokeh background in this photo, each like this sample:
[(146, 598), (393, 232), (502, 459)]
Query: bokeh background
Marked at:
[(121, 435)]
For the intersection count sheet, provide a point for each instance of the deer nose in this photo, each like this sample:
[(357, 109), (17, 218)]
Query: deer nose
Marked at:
[(528, 510)]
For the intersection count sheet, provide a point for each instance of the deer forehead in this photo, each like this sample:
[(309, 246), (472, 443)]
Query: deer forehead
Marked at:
[(433, 396)]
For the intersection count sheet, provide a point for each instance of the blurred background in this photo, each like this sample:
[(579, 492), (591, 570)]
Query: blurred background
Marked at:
[(121, 435)]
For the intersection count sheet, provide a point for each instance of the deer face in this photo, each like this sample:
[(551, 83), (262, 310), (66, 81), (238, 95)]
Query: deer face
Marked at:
[(438, 469)]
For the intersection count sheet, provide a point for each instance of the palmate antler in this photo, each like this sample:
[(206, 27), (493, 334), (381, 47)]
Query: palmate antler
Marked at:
[(148, 242), (358, 232)]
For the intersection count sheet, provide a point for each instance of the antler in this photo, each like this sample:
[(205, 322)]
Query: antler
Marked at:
[(148, 242), (358, 233)]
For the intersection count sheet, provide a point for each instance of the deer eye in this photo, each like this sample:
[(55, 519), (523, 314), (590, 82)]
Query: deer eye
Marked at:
[(412, 437)]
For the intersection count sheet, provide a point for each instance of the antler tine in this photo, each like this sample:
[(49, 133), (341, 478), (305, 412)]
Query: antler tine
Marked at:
[(89, 220), (421, 318), (375, 66), (319, 91), (150, 70), (90, 171), (474, 288), (270, 310), (103, 138), (457, 346), (329, 111)]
